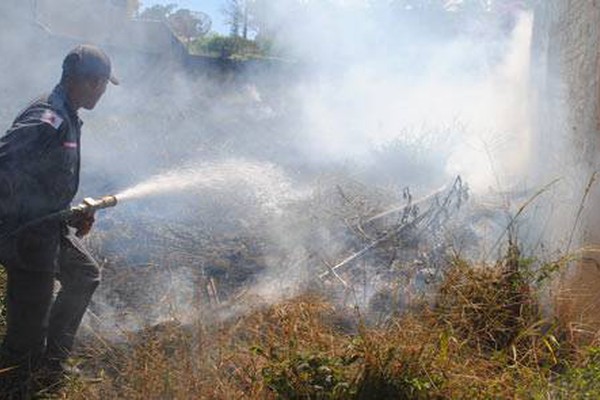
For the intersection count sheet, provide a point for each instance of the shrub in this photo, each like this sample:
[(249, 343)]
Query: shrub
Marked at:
[(226, 46)]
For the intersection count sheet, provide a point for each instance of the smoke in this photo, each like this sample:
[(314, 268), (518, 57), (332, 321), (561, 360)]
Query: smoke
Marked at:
[(463, 97), (237, 170)]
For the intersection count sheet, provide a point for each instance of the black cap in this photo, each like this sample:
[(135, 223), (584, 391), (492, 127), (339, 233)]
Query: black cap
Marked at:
[(88, 60)]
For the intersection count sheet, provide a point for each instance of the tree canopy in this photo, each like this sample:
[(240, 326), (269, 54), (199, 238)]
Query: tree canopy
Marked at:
[(186, 24)]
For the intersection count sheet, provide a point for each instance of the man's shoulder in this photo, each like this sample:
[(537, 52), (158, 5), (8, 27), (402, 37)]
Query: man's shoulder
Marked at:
[(51, 117), (41, 112)]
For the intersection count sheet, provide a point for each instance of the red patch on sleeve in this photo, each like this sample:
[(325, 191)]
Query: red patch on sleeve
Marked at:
[(50, 117)]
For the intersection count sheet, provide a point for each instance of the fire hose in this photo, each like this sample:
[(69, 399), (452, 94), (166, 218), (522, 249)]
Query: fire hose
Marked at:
[(87, 206)]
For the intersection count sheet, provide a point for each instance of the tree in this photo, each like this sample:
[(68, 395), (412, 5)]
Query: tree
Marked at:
[(133, 8), (129, 8), (237, 16), (189, 25), (158, 12)]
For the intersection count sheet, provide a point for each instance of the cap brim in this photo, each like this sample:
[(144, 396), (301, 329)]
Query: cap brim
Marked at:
[(114, 80)]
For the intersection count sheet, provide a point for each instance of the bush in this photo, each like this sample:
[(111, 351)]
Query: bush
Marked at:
[(226, 46), (582, 382)]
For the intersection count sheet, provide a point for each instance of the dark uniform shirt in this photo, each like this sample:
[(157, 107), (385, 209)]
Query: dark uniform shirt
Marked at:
[(39, 175)]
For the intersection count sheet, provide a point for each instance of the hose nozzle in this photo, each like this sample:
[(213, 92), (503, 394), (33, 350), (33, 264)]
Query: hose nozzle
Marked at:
[(90, 205)]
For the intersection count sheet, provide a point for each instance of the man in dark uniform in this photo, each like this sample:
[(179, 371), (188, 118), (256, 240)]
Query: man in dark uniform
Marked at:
[(39, 175)]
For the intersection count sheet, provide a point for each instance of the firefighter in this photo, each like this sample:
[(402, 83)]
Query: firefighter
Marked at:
[(39, 175)]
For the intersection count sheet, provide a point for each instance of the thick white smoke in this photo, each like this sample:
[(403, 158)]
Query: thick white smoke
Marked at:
[(366, 94)]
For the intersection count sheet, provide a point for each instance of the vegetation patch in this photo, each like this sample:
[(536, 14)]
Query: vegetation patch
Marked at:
[(482, 338)]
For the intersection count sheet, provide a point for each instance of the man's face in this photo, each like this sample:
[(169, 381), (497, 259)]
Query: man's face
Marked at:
[(93, 89)]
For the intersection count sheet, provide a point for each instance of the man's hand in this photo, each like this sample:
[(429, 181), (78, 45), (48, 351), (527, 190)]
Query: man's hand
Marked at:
[(82, 221)]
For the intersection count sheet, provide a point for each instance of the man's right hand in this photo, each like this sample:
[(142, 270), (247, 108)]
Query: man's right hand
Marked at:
[(82, 222)]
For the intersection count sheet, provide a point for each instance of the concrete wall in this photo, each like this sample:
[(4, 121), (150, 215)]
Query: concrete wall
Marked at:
[(566, 49), (566, 82), (565, 76)]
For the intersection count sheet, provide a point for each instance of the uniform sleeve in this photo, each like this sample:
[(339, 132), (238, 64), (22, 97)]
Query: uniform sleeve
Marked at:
[(34, 132), (26, 153)]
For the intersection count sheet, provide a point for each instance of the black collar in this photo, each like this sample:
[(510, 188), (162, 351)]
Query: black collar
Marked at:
[(59, 96)]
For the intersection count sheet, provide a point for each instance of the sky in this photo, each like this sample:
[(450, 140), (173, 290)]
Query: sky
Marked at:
[(210, 7)]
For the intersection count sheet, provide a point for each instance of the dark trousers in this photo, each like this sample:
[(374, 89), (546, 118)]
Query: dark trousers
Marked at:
[(39, 326)]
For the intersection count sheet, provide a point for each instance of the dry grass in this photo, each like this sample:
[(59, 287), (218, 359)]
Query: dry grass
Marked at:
[(220, 361), (484, 338), (578, 299)]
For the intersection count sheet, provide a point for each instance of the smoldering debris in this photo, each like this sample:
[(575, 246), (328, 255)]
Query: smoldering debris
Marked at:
[(366, 246), (414, 220), (404, 252), (350, 240)]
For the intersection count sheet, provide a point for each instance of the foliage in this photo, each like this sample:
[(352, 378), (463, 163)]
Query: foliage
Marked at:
[(306, 376), (582, 382), (482, 337), (158, 12), (225, 47), (187, 24), (472, 344), (237, 16), (266, 21)]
